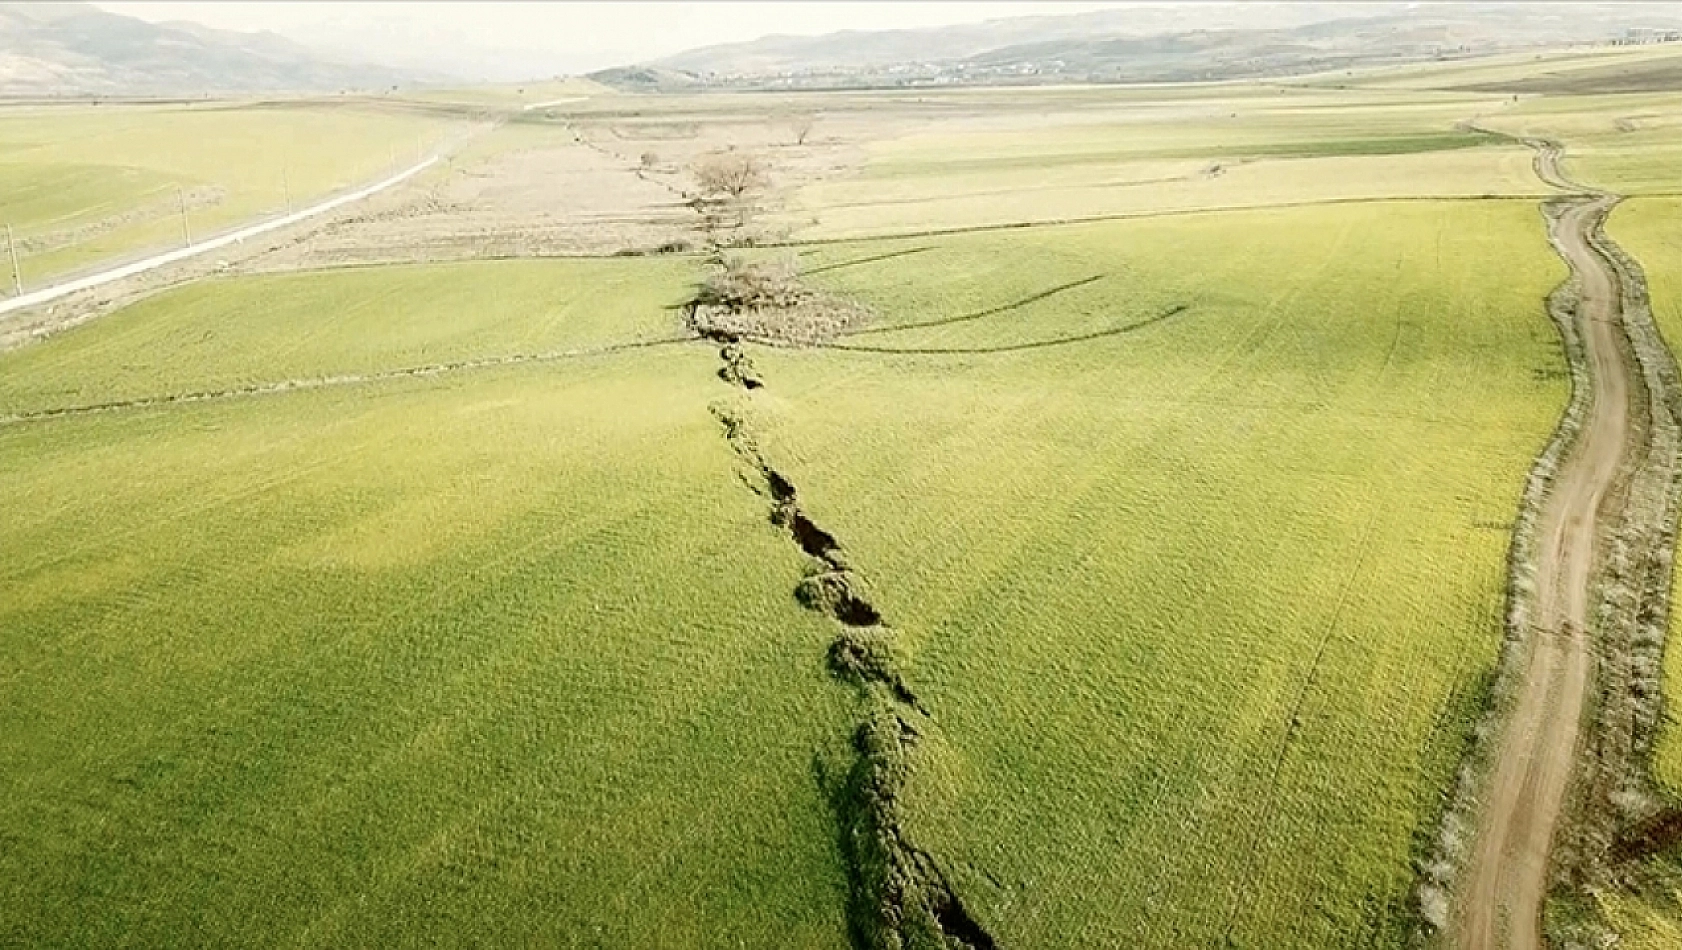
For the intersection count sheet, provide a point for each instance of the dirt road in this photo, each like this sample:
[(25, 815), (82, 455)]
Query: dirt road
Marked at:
[(1506, 877)]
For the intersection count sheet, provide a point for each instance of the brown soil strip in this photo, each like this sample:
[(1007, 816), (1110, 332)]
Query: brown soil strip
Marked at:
[(1505, 878)]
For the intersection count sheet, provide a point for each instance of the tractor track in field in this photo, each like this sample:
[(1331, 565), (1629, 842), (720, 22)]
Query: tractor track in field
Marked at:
[(1605, 483)]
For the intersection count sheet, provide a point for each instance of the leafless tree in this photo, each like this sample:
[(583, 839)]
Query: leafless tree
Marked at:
[(729, 179), (732, 174), (801, 125)]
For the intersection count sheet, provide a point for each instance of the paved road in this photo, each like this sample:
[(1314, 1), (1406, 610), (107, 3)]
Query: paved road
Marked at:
[(48, 294)]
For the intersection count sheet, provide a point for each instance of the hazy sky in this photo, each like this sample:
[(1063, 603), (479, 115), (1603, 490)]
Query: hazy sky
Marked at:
[(522, 40)]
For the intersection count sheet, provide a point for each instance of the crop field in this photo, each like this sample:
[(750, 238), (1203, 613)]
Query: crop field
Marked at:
[(1223, 701), (1631, 144), (523, 94), (1225, 150), (446, 623), (229, 333), (1551, 71), (1174, 449), (493, 658), (83, 184)]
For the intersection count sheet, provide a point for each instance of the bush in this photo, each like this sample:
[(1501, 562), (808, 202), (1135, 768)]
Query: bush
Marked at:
[(741, 284)]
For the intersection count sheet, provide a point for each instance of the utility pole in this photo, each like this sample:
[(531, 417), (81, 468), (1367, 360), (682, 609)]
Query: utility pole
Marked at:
[(186, 230), (17, 275), (286, 187)]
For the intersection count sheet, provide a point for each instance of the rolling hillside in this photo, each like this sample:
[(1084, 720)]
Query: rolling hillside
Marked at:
[(1153, 44), (68, 49)]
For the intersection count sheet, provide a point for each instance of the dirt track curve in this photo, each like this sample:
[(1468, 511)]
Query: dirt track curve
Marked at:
[(1506, 877)]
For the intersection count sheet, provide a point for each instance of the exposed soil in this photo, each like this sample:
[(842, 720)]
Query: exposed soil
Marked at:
[(900, 898), (1506, 878), (1663, 75), (587, 192), (563, 199)]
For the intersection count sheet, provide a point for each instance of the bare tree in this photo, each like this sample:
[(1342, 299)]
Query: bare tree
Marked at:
[(801, 125), (731, 174), (650, 159), (729, 178)]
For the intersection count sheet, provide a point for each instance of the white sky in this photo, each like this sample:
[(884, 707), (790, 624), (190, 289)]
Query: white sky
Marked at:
[(525, 40)]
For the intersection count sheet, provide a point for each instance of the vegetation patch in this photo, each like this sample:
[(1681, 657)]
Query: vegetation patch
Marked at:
[(766, 301)]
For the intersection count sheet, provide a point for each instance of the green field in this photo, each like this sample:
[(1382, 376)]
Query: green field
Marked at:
[(224, 334), (510, 655), (1233, 147), (83, 184), (501, 658), (1223, 700), (430, 605)]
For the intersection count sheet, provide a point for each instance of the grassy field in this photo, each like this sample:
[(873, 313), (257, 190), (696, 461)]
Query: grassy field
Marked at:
[(227, 333), (1553, 71), (505, 658), (84, 184), (510, 655), (1192, 528), (1223, 700), (1231, 148), (1631, 143)]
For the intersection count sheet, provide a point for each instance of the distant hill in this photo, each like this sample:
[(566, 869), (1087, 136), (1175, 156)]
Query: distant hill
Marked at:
[(1162, 42), (65, 49)]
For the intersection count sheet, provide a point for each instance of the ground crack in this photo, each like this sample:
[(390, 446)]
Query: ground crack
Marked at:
[(900, 897)]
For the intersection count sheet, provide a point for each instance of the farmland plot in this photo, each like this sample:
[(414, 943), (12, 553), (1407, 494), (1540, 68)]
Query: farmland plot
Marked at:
[(1204, 608), (83, 184), (1288, 148), (1190, 532), (501, 657)]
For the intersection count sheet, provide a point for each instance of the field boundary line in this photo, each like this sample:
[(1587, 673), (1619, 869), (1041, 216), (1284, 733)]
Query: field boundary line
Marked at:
[(302, 384), (1136, 215)]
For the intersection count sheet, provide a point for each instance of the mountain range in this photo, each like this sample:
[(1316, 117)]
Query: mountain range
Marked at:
[(76, 49), (1151, 43)]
